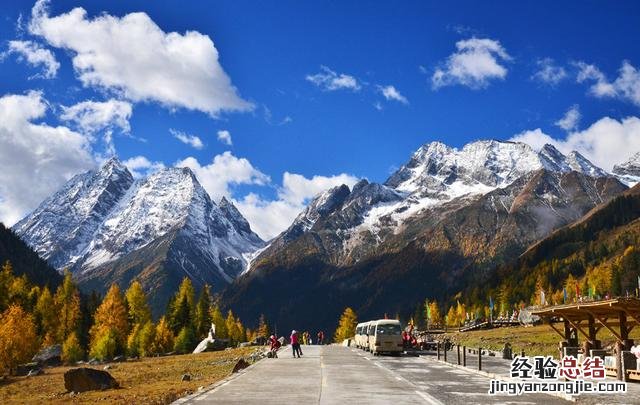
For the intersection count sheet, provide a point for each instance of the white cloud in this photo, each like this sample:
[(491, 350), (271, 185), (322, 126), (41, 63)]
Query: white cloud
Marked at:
[(95, 116), (474, 64), (36, 158), (606, 142), (185, 138), (570, 120), (549, 73), (223, 172), (224, 136), (625, 87), (136, 59), (270, 217), (329, 80), (391, 93), (36, 55), (140, 166)]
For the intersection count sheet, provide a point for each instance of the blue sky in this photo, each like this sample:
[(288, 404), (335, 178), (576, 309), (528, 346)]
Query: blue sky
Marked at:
[(310, 94)]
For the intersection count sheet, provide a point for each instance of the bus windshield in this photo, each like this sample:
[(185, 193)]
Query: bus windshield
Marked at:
[(388, 329)]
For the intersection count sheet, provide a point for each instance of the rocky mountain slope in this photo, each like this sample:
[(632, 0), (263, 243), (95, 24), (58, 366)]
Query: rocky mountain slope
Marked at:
[(107, 227), (445, 219)]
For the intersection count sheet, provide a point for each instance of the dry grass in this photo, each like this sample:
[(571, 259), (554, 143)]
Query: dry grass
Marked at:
[(147, 381), (535, 340)]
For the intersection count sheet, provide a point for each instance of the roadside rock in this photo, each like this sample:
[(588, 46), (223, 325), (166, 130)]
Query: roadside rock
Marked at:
[(88, 379), (119, 359), (49, 356), (241, 364), (25, 369), (186, 377)]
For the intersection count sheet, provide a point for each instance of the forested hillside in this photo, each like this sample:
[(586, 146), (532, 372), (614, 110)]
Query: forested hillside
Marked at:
[(26, 261)]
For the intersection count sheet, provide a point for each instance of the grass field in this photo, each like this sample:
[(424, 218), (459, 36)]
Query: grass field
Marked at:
[(534, 340), (146, 381)]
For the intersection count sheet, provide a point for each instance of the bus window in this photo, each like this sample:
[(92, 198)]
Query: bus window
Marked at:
[(390, 329)]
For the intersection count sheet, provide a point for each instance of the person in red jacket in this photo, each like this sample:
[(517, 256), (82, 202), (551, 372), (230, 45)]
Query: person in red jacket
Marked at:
[(275, 345), (295, 344), (320, 337)]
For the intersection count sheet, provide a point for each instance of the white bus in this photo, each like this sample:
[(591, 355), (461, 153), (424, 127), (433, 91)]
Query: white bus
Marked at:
[(385, 336)]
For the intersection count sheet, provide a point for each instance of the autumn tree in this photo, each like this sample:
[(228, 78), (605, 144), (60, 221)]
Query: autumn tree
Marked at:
[(47, 316), (67, 301), (71, 349), (433, 314), (231, 326), (18, 340), (218, 320), (110, 324), (203, 313), (139, 312), (346, 325), (163, 339)]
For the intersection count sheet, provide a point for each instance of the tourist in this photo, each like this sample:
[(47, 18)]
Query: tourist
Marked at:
[(320, 337), (275, 345), (295, 344)]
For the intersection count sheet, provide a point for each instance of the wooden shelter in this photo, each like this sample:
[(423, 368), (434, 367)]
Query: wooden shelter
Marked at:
[(618, 315)]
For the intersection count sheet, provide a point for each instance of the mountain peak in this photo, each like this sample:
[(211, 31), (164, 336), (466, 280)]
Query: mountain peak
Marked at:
[(629, 171)]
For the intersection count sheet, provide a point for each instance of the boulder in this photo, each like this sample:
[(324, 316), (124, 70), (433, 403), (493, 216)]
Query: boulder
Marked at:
[(88, 379), (185, 377), (25, 369), (241, 364), (119, 359), (49, 356)]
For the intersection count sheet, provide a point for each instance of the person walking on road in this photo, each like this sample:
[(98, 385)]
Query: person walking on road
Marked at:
[(320, 337), (295, 344)]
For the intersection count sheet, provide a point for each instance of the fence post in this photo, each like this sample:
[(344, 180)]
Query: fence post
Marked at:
[(445, 351), (464, 356), (522, 353), (458, 346), (438, 349), (479, 358)]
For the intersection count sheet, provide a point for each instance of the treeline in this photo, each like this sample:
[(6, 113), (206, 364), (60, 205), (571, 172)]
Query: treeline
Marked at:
[(32, 317)]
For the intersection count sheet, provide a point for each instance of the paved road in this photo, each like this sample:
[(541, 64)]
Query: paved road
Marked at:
[(339, 375)]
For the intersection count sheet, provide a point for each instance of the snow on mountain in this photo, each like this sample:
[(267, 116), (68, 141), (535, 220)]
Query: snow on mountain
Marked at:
[(103, 215), (64, 224), (629, 171)]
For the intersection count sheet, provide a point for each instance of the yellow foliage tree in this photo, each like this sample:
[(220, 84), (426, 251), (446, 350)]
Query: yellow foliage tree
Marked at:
[(67, 300), (111, 317), (47, 314), (18, 340), (71, 349), (218, 320), (163, 339), (434, 316), (139, 311), (346, 325)]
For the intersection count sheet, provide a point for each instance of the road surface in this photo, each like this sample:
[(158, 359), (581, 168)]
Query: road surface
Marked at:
[(342, 375)]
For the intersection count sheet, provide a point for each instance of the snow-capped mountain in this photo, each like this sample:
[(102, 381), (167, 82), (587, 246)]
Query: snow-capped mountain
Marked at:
[(105, 226), (435, 175), (629, 171), (62, 227), (446, 216)]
